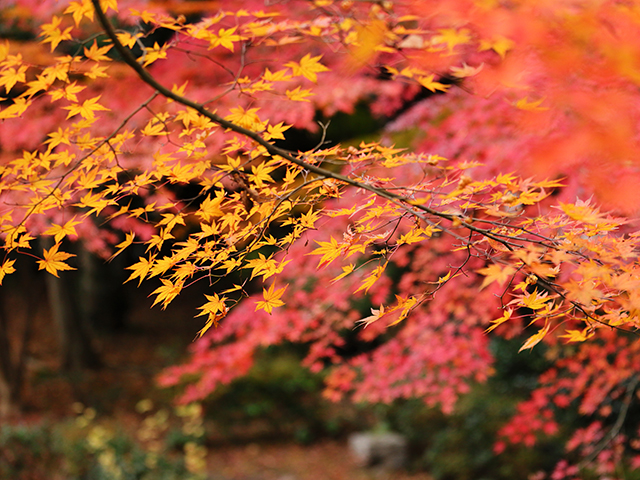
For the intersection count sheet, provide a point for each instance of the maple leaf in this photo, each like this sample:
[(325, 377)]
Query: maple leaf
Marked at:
[(122, 245), (299, 95), (260, 174), (80, 10), (429, 83), (406, 305), (275, 132), (329, 250), (279, 76), (11, 76), (414, 236), (16, 109), (499, 44), (271, 299), (167, 292), (264, 266), (496, 273), (68, 92), (374, 317), (345, 271), (533, 300), (225, 38), (96, 53), (87, 109), (61, 231), (452, 37), (140, 269), (372, 278), (53, 34), (525, 104), (54, 260), (126, 39), (245, 118), (7, 268), (496, 323), (216, 309), (210, 208), (154, 53), (308, 67), (578, 335), (535, 339), (466, 70)]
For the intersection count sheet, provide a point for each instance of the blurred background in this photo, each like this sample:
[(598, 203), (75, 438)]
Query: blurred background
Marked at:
[(80, 355)]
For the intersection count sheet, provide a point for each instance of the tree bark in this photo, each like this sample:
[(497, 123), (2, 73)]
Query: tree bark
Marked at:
[(76, 346)]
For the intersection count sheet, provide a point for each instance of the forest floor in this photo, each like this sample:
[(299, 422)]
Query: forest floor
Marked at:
[(151, 340)]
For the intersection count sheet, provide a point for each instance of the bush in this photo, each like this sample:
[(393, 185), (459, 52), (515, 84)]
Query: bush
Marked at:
[(92, 448)]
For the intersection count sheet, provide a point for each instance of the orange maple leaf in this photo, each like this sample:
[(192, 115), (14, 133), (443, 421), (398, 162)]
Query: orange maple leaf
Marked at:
[(535, 339), (308, 67), (216, 309), (271, 299), (7, 268), (167, 292), (54, 260)]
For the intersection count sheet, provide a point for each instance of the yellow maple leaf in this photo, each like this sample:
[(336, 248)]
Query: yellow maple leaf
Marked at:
[(216, 309), (80, 10), (271, 299), (452, 37), (225, 38), (128, 40), (140, 269), (578, 336), (496, 273), (167, 292), (10, 76), (245, 118), (329, 250), (298, 95), (17, 108), (371, 279), (406, 305), (345, 271), (308, 67), (496, 323), (525, 104), (499, 44), (61, 231), (53, 34), (7, 268), (87, 109), (122, 245), (54, 260), (210, 208), (96, 53), (535, 339), (366, 41), (275, 132), (533, 300), (154, 53), (429, 83)]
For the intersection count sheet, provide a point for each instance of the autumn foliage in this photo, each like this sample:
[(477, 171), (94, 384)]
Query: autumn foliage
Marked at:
[(499, 198)]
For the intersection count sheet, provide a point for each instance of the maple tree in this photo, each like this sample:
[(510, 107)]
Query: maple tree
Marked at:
[(172, 124)]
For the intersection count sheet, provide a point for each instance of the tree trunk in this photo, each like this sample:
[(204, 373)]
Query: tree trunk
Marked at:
[(76, 347), (13, 357)]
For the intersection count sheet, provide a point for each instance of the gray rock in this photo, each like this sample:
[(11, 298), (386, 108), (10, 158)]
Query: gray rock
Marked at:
[(387, 451)]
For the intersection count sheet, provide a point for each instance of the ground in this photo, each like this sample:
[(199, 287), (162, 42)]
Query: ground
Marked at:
[(153, 339)]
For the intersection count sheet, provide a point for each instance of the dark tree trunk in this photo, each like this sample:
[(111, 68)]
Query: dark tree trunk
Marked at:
[(76, 344), (13, 357)]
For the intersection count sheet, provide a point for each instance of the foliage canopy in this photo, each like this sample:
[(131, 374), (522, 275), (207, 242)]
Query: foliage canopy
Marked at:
[(169, 129)]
